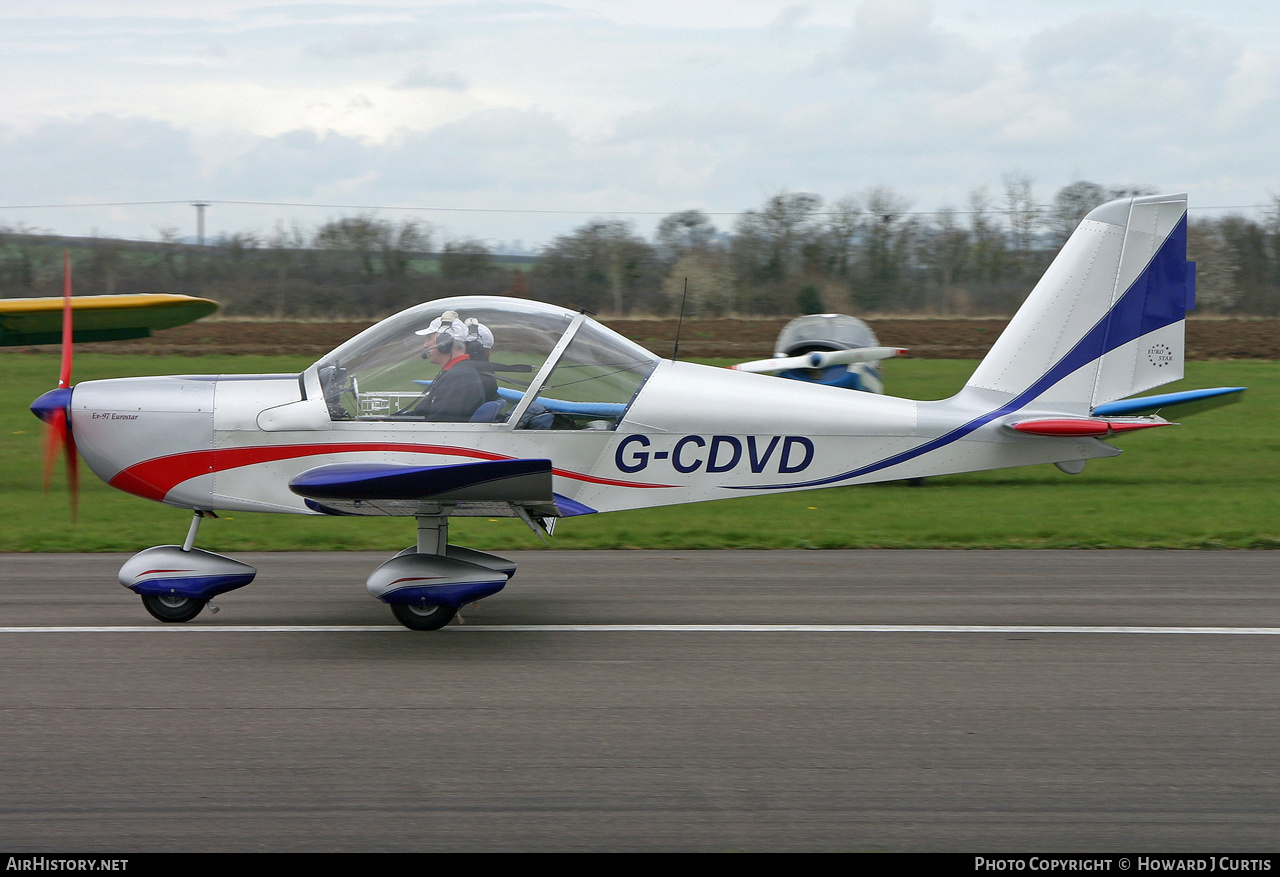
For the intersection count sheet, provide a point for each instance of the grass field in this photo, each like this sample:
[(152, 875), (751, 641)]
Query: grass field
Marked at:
[(1212, 483)]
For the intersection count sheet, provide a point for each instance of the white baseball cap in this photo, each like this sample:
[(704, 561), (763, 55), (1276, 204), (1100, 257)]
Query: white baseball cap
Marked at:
[(477, 331), (447, 323)]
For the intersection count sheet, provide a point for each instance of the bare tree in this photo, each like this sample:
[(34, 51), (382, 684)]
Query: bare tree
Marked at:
[(1216, 265), (944, 253), (990, 255), (400, 243), (885, 250), (22, 257), (1024, 218), (682, 233), (769, 243), (844, 223), (602, 263), (376, 246), (710, 284), (1072, 203), (465, 259)]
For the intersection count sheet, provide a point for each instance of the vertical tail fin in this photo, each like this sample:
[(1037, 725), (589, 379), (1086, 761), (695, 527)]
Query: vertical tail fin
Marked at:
[(1106, 320)]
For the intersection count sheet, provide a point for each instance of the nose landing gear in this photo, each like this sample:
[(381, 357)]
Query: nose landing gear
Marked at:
[(176, 582)]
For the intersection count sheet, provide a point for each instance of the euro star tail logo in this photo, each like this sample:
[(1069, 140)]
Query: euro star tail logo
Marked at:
[(1160, 355)]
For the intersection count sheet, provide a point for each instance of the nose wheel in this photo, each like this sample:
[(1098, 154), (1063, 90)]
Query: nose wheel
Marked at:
[(423, 615), (172, 608)]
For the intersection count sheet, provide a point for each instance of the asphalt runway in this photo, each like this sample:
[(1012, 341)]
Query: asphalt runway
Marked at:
[(974, 701)]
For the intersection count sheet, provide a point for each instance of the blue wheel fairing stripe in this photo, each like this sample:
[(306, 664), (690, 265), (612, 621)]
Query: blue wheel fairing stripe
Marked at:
[(192, 587), (1157, 298)]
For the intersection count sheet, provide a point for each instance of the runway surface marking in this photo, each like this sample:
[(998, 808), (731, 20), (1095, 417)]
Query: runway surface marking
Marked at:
[(667, 628)]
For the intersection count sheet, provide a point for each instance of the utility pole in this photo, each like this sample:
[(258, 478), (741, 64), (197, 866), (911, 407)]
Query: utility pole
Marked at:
[(200, 206)]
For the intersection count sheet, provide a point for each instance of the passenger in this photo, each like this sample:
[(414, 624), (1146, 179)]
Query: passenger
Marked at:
[(457, 391), (479, 338), (479, 343)]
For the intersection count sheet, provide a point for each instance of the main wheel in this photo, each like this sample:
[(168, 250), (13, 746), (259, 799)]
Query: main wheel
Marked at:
[(172, 608), (423, 616)]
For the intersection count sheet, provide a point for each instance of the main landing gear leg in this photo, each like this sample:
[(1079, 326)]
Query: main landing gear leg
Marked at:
[(422, 614)]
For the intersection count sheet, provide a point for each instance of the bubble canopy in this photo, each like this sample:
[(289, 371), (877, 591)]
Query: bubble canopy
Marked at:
[(823, 332), (553, 368)]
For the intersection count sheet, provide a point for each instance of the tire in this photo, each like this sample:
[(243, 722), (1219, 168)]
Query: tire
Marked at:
[(423, 616), (164, 607)]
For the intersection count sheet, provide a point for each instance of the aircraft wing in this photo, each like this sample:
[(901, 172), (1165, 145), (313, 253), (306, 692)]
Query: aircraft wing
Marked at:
[(495, 488), (97, 317), (1181, 404)]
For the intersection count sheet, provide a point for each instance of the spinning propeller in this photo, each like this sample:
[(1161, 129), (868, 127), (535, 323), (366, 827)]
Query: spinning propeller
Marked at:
[(819, 359), (54, 407)]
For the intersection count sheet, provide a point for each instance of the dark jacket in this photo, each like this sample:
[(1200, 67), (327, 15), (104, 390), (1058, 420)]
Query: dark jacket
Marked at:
[(454, 395)]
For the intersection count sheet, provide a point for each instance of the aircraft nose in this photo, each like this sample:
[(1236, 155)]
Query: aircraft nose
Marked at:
[(52, 402)]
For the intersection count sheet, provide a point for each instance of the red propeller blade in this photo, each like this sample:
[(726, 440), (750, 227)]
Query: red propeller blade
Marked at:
[(64, 375), (58, 431), (54, 438), (73, 472)]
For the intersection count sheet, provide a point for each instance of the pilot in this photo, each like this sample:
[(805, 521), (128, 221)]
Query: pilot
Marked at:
[(457, 391)]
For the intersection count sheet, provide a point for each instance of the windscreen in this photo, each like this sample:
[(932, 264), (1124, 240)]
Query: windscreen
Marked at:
[(381, 373)]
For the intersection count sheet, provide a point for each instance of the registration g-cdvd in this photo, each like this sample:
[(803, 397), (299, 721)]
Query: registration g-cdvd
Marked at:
[(574, 419)]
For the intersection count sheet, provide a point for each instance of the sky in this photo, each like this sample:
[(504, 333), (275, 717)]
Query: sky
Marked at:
[(514, 122)]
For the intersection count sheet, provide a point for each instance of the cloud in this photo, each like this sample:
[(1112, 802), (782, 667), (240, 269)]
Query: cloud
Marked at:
[(693, 119), (374, 41), (423, 77), (1133, 65), (900, 41), (516, 150), (895, 32), (98, 158), (297, 165), (791, 16)]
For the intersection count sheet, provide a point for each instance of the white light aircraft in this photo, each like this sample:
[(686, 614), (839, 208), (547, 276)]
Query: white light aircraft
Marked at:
[(566, 418)]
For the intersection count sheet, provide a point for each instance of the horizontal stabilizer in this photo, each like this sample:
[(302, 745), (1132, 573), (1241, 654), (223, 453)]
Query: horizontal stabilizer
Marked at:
[(1187, 402)]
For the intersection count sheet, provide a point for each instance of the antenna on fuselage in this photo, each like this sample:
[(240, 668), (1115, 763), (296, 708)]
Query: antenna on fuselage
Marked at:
[(675, 351)]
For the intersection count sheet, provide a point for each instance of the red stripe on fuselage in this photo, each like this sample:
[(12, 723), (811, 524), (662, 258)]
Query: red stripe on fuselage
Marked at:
[(153, 479)]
